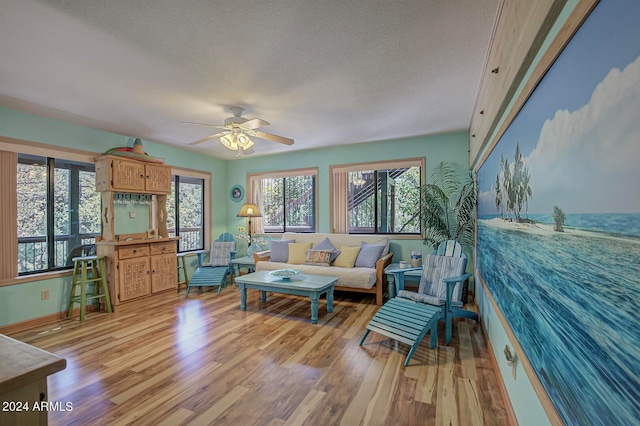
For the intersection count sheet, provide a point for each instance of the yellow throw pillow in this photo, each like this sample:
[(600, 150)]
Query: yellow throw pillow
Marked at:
[(298, 253), (347, 257)]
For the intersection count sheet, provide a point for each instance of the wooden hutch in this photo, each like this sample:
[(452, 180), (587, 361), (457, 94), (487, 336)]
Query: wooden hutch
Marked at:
[(137, 264)]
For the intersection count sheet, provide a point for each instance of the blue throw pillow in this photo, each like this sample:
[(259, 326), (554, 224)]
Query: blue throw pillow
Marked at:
[(369, 255), (326, 245), (280, 250)]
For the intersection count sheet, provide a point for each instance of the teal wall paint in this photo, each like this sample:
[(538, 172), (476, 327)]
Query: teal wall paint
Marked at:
[(451, 147), (21, 302)]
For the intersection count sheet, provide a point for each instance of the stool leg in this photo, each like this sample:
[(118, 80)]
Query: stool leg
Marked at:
[(184, 270), (83, 291), (72, 293), (105, 286)]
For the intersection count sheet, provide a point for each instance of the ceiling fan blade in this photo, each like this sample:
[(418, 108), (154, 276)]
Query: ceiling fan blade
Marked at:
[(273, 138), (255, 123), (208, 138), (217, 126), (248, 151)]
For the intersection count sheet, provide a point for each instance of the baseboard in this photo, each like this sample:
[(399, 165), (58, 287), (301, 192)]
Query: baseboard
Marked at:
[(511, 415), (40, 321)]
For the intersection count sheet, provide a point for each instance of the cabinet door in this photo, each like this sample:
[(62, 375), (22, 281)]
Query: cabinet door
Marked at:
[(134, 278), (127, 175), (164, 272), (158, 179)]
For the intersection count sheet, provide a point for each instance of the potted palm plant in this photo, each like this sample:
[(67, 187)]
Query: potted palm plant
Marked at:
[(447, 210), (448, 207)]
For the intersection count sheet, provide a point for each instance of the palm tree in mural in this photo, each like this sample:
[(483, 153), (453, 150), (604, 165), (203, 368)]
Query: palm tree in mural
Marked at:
[(499, 196), (527, 191)]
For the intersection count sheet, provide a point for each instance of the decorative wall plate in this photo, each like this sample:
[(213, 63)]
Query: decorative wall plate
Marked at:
[(236, 193)]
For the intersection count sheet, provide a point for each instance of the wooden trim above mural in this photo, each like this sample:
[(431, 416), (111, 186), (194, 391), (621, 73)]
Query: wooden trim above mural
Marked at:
[(511, 57)]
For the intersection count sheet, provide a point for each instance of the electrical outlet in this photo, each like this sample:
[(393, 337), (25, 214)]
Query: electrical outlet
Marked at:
[(241, 229), (132, 215), (44, 295)]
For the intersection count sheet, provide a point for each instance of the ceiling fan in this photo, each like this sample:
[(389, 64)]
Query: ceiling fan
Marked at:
[(238, 131)]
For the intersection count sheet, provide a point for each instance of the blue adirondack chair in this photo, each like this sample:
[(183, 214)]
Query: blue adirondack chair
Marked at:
[(441, 281), (218, 268), (411, 315)]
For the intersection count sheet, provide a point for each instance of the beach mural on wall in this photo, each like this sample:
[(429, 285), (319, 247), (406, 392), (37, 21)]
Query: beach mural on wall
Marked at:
[(559, 222)]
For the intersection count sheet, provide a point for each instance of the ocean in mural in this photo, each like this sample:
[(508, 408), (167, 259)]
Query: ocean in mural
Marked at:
[(572, 300), (559, 222)]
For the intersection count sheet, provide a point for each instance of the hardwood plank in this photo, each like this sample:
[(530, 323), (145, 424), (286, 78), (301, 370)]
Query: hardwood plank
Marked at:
[(447, 406), (467, 361), (168, 359), (209, 416)]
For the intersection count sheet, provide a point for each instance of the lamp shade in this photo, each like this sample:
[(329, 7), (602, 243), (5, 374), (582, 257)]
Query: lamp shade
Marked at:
[(249, 210)]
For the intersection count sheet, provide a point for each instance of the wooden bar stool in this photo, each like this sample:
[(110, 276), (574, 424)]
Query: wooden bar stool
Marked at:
[(88, 269), (182, 265)]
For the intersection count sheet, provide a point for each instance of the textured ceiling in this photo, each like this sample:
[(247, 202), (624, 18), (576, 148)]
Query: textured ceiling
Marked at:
[(321, 72)]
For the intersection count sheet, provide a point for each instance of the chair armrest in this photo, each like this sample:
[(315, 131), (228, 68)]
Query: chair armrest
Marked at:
[(261, 256), (451, 284), (201, 254)]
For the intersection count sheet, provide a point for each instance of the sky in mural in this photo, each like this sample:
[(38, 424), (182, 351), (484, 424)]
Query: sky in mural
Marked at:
[(579, 140)]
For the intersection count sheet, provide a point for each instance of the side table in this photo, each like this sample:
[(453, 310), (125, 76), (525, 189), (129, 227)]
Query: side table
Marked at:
[(244, 262), (397, 274)]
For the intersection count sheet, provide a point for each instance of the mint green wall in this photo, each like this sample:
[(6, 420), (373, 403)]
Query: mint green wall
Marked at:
[(451, 147), (22, 302)]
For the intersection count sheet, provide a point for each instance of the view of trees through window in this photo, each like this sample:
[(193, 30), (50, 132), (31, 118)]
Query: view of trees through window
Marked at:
[(185, 212), (54, 215), (383, 201), (288, 204)]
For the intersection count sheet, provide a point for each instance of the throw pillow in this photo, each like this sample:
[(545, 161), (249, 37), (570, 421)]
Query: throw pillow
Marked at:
[(347, 257), (298, 253), (327, 245), (280, 250), (319, 257), (369, 255)]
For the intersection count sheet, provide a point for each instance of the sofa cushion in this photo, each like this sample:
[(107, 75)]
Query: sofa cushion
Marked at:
[(280, 250), (347, 257), (364, 278), (298, 253), (338, 239), (319, 257), (369, 255), (326, 245)]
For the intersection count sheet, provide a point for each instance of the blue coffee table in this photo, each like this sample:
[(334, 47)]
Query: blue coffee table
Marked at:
[(312, 286)]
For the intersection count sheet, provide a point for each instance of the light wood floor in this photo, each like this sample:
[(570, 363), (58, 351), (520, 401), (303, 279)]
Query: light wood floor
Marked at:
[(168, 360)]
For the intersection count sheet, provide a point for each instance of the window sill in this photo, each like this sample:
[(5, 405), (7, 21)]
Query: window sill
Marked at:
[(35, 277)]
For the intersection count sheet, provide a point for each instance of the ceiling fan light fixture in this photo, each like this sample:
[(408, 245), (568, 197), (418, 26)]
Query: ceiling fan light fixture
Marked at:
[(243, 141), (229, 142)]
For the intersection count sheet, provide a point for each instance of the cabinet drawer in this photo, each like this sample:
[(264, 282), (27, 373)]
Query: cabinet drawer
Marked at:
[(162, 248), (133, 251)]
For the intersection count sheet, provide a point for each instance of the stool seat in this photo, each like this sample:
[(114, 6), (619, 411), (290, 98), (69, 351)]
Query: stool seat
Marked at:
[(86, 270)]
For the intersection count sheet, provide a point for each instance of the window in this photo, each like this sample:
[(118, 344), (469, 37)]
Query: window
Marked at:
[(185, 212), (377, 198), (287, 201), (58, 211)]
